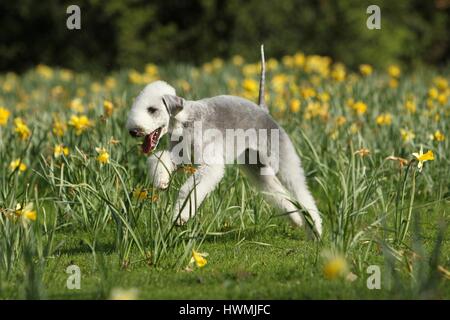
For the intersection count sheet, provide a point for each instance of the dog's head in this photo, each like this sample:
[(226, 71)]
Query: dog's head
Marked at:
[(151, 111)]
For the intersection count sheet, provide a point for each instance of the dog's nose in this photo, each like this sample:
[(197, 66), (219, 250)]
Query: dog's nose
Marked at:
[(135, 133)]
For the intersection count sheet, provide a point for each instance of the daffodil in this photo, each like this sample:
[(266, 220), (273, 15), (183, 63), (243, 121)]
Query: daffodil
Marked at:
[(438, 136), (108, 108), (362, 152), (59, 127), (295, 105), (384, 119), (407, 135), (103, 155), (199, 258), (60, 150), (26, 213), (365, 69), (360, 107), (237, 60), (394, 71), (79, 123), (410, 105), (423, 157), (76, 105), (17, 165), (4, 116), (21, 129), (140, 193)]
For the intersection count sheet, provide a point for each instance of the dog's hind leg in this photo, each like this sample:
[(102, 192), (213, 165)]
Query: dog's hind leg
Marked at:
[(195, 190), (274, 191)]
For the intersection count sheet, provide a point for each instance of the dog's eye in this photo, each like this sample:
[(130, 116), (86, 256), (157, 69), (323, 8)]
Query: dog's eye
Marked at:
[(151, 109)]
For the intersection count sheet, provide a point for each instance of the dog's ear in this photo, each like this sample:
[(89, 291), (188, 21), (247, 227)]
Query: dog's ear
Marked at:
[(174, 104)]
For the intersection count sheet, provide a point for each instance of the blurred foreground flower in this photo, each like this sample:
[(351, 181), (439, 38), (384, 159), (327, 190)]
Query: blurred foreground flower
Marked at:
[(422, 157), (108, 108), (4, 115), (17, 164), (366, 69), (124, 294), (335, 265)]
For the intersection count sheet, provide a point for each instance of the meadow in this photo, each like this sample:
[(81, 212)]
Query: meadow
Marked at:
[(74, 188)]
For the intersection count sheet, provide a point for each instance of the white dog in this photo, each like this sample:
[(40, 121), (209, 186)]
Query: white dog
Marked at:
[(158, 110)]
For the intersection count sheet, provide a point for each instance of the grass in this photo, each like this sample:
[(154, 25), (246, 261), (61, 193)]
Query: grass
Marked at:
[(104, 216)]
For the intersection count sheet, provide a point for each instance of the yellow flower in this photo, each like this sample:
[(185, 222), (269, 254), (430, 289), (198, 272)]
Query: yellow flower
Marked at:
[(365, 69), (340, 121), (17, 164), (433, 93), (307, 92), (442, 99), (4, 116), (21, 129), (438, 136), (394, 71), (237, 60), (45, 71), (151, 69), (76, 105), (199, 258), (441, 83), (140, 193), (384, 119), (407, 135), (103, 155), (250, 85), (393, 83), (295, 105), (60, 150), (124, 294), (410, 105), (362, 152), (338, 72), (335, 265), (108, 108), (189, 169), (59, 127), (423, 157), (79, 123), (360, 107), (27, 212)]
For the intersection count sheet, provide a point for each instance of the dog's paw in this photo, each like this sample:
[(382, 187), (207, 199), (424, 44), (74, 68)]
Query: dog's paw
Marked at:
[(161, 184), (180, 221)]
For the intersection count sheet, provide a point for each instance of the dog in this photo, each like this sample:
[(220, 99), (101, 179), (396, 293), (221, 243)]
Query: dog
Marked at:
[(158, 111)]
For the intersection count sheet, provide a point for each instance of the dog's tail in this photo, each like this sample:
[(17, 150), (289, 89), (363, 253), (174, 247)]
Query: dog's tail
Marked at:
[(261, 99)]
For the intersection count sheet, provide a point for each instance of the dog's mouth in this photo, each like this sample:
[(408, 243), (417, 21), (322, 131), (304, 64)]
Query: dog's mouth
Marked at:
[(151, 141)]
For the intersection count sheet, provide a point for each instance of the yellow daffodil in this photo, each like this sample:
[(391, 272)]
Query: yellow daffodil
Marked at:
[(360, 107), (60, 150), (394, 71), (407, 135), (59, 127), (441, 83), (384, 119), (237, 60), (438, 136), (338, 73), (294, 105), (362, 152), (17, 164), (76, 105), (140, 193), (21, 129), (433, 93), (393, 83), (410, 105), (108, 108), (199, 258), (4, 116), (44, 71), (340, 121), (103, 155), (79, 123), (365, 69), (423, 157), (27, 213)]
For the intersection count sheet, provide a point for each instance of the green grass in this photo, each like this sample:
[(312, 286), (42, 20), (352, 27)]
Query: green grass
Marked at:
[(375, 211)]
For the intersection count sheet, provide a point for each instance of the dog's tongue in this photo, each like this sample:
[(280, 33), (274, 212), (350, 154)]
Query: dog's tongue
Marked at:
[(147, 145)]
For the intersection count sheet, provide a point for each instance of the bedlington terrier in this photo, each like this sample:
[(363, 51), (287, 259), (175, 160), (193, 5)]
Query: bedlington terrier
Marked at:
[(216, 131)]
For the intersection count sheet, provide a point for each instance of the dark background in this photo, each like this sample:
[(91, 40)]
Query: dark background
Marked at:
[(131, 33)]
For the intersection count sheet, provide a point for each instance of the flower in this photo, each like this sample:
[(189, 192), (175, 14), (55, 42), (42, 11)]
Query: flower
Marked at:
[(295, 105), (335, 265), (140, 193), (423, 157), (108, 108), (407, 135), (27, 212), (199, 258), (60, 150), (410, 105), (360, 107), (433, 93), (189, 169), (384, 119), (21, 129), (438, 136), (124, 294), (103, 155), (76, 105), (59, 127), (79, 123), (340, 121), (365, 69), (394, 71), (237, 60), (393, 83), (363, 152), (4, 115), (17, 164)]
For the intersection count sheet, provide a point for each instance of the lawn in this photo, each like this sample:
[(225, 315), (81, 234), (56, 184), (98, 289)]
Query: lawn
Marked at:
[(74, 190)]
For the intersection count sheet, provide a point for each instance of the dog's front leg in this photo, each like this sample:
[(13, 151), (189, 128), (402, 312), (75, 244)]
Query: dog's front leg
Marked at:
[(161, 167), (195, 190)]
